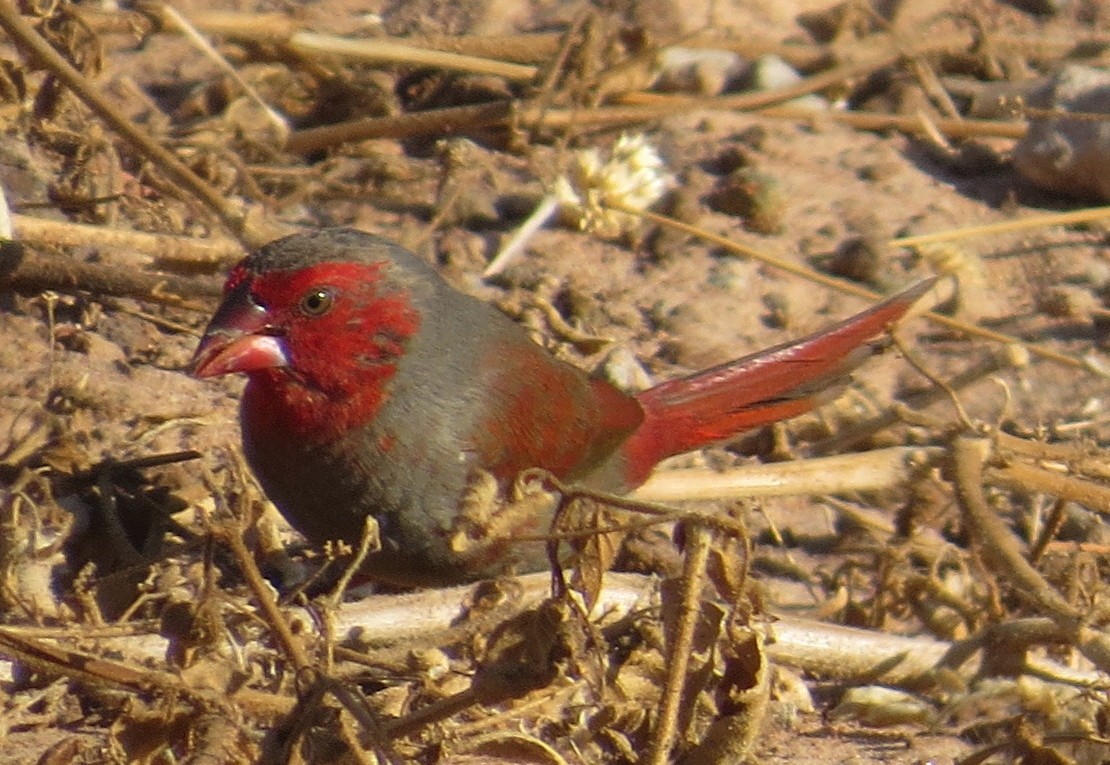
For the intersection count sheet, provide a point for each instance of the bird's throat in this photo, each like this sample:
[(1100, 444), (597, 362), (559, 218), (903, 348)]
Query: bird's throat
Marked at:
[(281, 403)]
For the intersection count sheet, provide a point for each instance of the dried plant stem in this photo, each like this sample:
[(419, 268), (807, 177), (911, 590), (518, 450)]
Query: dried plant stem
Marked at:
[(867, 55), (50, 659), (1029, 478), (35, 46), (996, 543), (865, 471), (524, 48), (699, 540), (389, 51), (861, 431), (97, 672), (816, 648), (911, 124), (539, 218), (231, 535), (863, 58), (634, 114), (26, 270), (190, 251), (504, 113), (440, 121), (1001, 551), (1081, 457), (823, 650), (1038, 221)]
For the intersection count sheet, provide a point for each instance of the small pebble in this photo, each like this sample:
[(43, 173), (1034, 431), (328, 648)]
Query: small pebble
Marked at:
[(859, 258), (754, 196), (1069, 157), (704, 71), (772, 73), (1069, 301)]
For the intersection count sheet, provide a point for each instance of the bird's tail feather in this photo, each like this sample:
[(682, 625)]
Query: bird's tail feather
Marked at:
[(771, 385)]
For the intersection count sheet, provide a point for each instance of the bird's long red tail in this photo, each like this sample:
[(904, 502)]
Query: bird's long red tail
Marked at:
[(771, 385)]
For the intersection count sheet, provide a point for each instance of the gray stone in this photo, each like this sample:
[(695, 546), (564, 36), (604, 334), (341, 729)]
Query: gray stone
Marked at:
[(1069, 156)]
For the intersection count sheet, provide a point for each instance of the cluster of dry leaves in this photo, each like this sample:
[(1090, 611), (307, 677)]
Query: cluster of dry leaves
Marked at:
[(137, 622)]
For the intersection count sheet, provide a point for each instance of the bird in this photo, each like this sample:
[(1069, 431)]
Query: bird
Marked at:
[(374, 388)]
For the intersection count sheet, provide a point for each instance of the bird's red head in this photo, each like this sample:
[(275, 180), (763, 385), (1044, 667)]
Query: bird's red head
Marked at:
[(323, 337)]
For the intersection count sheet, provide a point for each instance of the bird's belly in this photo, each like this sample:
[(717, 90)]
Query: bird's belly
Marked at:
[(415, 495)]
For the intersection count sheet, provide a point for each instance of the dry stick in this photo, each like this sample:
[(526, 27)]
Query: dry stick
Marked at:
[(1029, 478), (838, 474), (772, 103), (96, 671), (503, 113), (848, 287), (1084, 458), (999, 548), (997, 545), (356, 705), (370, 538), (751, 101), (438, 121), (1048, 531), (172, 16), (25, 270), (1016, 635), (1051, 219), (232, 537), (888, 55), (884, 52), (523, 48), (444, 52), (527, 48), (537, 48), (384, 50), (950, 128), (166, 248), (699, 541), (90, 670), (34, 45), (823, 650), (618, 115)]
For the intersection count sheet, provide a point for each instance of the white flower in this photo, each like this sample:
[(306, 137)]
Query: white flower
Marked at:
[(594, 194)]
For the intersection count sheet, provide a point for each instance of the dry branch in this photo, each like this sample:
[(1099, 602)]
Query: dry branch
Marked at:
[(189, 252), (822, 650), (845, 473), (446, 121), (27, 270), (995, 541)]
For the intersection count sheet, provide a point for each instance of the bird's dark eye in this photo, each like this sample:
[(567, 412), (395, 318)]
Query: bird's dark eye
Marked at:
[(317, 301)]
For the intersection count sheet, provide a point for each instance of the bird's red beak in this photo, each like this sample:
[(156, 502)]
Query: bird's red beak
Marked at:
[(238, 339)]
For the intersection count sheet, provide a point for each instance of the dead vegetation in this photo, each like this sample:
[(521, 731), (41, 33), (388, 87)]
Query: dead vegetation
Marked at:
[(953, 585)]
